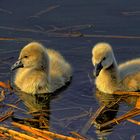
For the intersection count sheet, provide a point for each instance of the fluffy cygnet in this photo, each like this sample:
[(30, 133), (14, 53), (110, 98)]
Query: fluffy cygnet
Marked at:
[(109, 76), (41, 70)]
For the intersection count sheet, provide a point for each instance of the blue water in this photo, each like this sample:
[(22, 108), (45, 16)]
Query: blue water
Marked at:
[(28, 20)]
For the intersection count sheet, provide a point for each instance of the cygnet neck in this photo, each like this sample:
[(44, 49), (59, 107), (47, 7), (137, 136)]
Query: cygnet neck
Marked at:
[(113, 71), (108, 79)]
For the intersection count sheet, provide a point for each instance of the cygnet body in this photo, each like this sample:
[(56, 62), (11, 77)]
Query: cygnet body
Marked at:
[(41, 70), (109, 76)]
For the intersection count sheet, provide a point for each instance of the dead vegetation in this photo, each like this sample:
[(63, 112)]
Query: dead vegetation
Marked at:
[(74, 31), (26, 132)]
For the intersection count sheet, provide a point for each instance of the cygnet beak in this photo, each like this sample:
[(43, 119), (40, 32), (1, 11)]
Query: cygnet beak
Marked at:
[(97, 69), (18, 64)]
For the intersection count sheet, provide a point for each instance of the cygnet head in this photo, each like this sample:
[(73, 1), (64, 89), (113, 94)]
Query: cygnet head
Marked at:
[(102, 57), (32, 56)]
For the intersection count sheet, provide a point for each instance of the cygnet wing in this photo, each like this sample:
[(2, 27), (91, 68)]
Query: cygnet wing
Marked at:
[(129, 68)]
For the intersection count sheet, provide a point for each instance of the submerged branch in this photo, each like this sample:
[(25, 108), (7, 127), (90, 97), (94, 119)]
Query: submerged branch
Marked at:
[(40, 13)]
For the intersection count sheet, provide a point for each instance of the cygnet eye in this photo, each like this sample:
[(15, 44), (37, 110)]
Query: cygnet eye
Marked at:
[(104, 58), (25, 56)]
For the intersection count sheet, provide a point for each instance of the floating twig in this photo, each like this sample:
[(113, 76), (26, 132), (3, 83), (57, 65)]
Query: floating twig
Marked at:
[(7, 115), (130, 93), (92, 120), (43, 132), (15, 106), (14, 39), (132, 113), (66, 34), (31, 130), (15, 135), (78, 135), (137, 105), (45, 11), (4, 85), (70, 29), (20, 30), (134, 121)]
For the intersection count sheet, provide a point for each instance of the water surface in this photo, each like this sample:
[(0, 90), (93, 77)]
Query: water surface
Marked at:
[(29, 20)]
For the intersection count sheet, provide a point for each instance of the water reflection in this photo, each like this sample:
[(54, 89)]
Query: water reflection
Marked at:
[(108, 108), (38, 106), (105, 117)]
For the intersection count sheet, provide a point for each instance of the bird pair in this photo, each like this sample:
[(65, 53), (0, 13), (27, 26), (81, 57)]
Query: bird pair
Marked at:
[(42, 70)]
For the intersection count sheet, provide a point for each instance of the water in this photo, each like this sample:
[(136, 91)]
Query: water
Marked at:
[(29, 20)]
